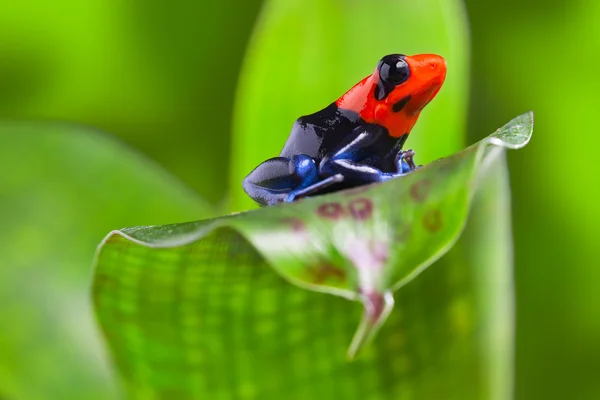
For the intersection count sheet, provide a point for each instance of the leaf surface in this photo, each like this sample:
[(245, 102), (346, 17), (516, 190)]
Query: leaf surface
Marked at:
[(63, 186), (241, 306)]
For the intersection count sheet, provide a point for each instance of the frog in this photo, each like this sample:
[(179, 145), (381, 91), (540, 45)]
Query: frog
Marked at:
[(356, 140)]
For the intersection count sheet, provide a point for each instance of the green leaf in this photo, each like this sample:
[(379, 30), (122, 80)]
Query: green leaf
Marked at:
[(206, 308), (62, 188), (108, 64), (306, 53)]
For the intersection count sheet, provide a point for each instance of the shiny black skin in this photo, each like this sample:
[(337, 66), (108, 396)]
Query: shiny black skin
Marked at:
[(330, 150), (321, 134)]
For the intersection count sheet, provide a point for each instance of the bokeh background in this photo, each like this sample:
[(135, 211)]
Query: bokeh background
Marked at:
[(162, 78)]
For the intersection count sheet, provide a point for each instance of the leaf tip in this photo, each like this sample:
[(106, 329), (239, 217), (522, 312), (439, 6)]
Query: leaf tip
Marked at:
[(516, 133)]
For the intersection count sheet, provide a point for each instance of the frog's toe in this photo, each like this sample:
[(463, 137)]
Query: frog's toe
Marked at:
[(405, 161)]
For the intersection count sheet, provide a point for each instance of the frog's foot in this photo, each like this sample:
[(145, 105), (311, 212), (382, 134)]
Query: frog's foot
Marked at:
[(405, 162), (279, 179)]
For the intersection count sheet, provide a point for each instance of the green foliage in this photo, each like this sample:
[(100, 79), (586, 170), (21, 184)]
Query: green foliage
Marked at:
[(161, 76), (144, 71), (62, 188), (556, 212), (141, 72), (200, 309), (307, 53)]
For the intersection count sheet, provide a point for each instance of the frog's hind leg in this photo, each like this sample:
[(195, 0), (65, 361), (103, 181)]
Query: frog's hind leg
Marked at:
[(279, 179)]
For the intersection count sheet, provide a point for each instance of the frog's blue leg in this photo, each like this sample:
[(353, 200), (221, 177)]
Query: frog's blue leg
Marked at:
[(337, 178), (351, 158), (281, 179)]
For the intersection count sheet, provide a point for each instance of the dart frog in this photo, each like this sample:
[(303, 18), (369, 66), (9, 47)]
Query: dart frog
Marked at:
[(356, 140)]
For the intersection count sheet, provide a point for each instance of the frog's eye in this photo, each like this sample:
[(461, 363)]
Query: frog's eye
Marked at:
[(395, 72)]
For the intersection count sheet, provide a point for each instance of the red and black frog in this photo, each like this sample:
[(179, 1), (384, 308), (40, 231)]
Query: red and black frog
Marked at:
[(357, 139)]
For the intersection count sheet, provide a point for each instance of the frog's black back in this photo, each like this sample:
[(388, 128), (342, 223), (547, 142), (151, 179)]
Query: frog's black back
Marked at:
[(317, 134)]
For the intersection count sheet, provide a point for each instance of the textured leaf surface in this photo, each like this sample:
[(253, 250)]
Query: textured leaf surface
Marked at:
[(207, 308), (304, 54), (63, 186)]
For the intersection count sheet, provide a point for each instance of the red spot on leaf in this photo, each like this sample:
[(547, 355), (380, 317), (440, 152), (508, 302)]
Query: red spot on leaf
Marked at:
[(296, 224), (361, 209), (419, 190), (324, 272), (432, 220), (331, 211)]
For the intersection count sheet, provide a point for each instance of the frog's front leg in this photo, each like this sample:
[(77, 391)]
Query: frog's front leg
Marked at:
[(352, 159), (280, 179), (404, 162)]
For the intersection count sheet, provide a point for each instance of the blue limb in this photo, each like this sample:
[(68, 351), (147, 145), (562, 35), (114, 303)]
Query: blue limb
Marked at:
[(405, 162), (279, 179), (337, 178)]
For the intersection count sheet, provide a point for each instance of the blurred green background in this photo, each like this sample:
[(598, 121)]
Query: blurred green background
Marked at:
[(162, 77)]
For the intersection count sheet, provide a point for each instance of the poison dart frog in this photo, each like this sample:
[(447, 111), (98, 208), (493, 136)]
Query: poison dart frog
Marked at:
[(357, 139)]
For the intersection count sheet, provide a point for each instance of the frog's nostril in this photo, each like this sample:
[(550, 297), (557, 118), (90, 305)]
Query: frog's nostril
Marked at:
[(429, 63)]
